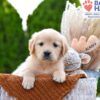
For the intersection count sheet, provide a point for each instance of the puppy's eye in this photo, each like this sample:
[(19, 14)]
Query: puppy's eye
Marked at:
[(41, 43), (55, 45)]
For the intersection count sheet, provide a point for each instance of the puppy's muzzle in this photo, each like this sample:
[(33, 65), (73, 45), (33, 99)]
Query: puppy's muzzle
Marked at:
[(47, 55)]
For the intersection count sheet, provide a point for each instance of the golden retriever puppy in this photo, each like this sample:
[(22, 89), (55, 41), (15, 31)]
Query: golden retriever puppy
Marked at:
[(47, 49)]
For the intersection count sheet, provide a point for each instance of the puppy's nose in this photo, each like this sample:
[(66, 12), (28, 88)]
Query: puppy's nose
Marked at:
[(47, 54)]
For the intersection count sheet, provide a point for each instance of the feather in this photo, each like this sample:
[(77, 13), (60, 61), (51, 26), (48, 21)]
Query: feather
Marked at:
[(75, 25)]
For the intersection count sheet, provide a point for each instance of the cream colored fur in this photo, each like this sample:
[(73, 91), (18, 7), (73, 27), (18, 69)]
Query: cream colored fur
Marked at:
[(35, 63)]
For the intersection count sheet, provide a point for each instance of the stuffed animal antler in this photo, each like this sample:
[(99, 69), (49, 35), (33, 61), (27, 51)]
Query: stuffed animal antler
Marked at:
[(77, 53), (84, 45)]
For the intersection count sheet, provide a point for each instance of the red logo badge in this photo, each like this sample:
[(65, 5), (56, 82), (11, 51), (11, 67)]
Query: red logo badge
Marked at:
[(87, 5)]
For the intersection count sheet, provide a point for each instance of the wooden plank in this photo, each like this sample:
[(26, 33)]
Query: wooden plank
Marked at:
[(84, 90)]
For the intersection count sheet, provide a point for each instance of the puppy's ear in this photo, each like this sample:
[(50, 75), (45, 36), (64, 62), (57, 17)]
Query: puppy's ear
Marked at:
[(31, 45), (85, 58), (64, 46)]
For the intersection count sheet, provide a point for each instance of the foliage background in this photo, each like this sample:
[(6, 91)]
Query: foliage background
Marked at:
[(12, 38), (13, 41)]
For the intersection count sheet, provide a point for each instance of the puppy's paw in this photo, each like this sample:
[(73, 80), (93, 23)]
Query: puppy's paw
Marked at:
[(59, 77), (28, 82)]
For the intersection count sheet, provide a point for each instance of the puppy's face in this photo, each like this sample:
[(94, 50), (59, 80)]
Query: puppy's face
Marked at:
[(48, 45)]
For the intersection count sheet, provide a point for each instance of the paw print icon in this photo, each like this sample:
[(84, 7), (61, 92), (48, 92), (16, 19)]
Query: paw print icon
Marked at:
[(87, 5)]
